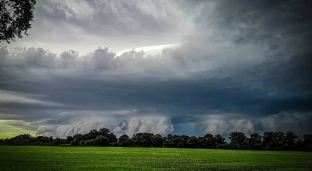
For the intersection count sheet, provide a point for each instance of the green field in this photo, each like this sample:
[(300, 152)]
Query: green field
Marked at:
[(22, 158)]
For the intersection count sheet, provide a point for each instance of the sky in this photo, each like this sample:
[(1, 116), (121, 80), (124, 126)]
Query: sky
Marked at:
[(159, 66)]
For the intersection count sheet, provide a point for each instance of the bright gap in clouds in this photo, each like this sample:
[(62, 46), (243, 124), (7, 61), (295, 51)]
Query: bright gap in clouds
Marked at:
[(151, 50)]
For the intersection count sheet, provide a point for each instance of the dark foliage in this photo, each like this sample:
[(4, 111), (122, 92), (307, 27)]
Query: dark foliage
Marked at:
[(157, 140), (143, 139), (75, 142), (15, 16), (122, 141), (238, 140)]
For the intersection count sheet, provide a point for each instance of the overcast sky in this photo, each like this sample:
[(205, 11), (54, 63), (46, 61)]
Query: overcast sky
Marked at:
[(198, 67)]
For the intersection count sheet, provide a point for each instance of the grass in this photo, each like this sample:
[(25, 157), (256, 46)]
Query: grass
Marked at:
[(31, 158)]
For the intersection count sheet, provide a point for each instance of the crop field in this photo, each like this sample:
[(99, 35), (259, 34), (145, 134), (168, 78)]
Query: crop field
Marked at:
[(23, 158)]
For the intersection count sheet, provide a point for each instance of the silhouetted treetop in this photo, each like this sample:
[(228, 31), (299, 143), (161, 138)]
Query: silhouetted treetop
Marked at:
[(238, 140), (15, 16)]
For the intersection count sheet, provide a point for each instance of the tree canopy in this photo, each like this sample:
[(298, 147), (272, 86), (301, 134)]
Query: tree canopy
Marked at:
[(15, 17), (237, 140)]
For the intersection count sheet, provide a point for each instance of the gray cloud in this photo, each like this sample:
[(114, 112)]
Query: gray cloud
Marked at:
[(118, 125), (61, 25), (13, 97), (113, 17)]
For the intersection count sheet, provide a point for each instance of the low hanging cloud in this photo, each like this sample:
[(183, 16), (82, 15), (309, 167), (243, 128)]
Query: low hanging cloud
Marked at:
[(238, 70), (153, 124), (225, 123)]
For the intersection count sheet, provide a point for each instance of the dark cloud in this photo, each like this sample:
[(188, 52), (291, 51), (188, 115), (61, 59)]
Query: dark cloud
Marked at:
[(245, 67)]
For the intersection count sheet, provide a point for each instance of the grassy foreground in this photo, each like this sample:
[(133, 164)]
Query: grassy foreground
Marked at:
[(23, 158)]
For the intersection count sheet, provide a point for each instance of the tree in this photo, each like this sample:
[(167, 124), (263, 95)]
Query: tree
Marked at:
[(157, 140), (184, 140), (69, 139), (237, 139), (307, 142), (75, 142), (88, 143), (103, 131), (112, 137), (15, 16), (219, 140), (58, 141), (143, 139), (92, 134), (82, 143), (202, 142), (273, 140), (191, 142), (42, 140), (289, 140), (78, 137), (101, 141), (278, 140), (129, 142), (7, 141), (179, 141), (122, 140), (168, 141), (23, 139), (210, 141), (268, 141), (255, 141)]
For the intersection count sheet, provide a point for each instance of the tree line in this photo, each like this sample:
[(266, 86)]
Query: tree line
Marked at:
[(237, 140)]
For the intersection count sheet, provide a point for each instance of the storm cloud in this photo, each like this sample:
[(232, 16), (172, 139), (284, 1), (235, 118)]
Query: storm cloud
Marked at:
[(244, 66)]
